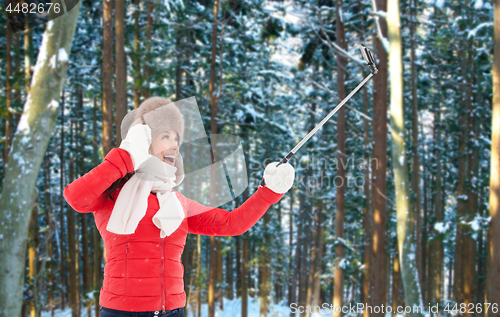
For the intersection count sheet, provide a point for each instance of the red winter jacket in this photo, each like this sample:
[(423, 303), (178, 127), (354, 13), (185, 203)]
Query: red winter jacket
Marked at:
[(144, 272)]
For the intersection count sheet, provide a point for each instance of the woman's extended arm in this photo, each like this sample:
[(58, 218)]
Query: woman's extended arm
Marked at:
[(85, 194), (219, 222)]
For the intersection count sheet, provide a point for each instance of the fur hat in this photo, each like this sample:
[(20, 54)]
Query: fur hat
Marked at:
[(159, 114)]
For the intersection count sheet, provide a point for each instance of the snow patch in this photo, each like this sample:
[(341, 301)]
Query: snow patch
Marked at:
[(440, 227), (52, 62), (401, 160), (53, 105), (440, 4), (343, 263), (63, 56), (472, 33)]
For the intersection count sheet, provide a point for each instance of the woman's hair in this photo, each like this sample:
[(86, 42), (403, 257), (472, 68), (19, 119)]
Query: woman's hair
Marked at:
[(117, 184)]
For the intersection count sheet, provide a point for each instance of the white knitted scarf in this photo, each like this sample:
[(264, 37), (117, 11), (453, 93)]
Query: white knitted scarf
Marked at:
[(132, 202)]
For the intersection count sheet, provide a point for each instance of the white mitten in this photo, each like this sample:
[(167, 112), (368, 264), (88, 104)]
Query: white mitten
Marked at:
[(137, 143), (279, 179)]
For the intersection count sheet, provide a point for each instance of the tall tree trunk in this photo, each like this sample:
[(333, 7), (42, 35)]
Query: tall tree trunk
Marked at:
[(229, 274), (405, 221), (437, 246), (292, 281), (218, 269), (296, 283), (244, 278), (198, 271), (147, 69), (83, 218), (32, 246), (96, 236), (107, 77), (137, 61), (26, 156), (120, 68), (312, 257), (493, 280), (62, 269), (305, 250), (264, 268), (178, 67), (213, 131), (319, 257), (238, 264), (395, 282), (367, 224), (469, 261), (377, 269), (415, 180), (48, 202), (28, 58), (8, 96), (461, 231), (338, 288), (71, 231)]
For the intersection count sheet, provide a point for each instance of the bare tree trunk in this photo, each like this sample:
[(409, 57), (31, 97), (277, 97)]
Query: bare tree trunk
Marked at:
[(415, 180), (405, 221), (72, 264), (377, 269), (62, 269), (50, 223), (96, 236), (367, 224), (213, 131), (229, 275), (469, 261), (198, 271), (493, 279), (178, 67), (437, 247), (264, 268), (395, 282), (298, 252), (218, 259), (244, 278), (302, 288), (107, 77), (147, 70), (309, 275), (26, 156), (137, 60), (338, 288), (292, 280), (319, 257), (8, 96), (32, 246), (120, 68), (28, 58), (238, 264)]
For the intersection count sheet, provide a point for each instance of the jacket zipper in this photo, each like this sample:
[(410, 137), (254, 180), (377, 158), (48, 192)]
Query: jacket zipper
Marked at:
[(161, 276), (126, 267)]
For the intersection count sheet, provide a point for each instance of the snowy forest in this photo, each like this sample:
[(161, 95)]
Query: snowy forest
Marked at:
[(396, 199)]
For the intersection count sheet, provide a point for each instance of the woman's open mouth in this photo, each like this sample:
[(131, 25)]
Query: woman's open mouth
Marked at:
[(169, 159)]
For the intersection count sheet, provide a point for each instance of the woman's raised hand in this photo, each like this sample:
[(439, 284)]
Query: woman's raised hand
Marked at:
[(137, 143), (279, 179)]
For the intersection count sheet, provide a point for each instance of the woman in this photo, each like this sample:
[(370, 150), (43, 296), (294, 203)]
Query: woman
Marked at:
[(144, 223)]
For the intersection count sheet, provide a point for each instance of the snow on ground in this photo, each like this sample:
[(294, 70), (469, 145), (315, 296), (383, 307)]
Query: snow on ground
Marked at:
[(232, 308)]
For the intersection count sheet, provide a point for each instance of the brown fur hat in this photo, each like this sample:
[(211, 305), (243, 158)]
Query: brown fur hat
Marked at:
[(160, 114)]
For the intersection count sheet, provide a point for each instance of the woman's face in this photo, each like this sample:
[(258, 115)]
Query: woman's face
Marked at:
[(166, 146)]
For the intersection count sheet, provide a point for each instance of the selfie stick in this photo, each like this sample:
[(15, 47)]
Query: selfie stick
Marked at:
[(368, 57)]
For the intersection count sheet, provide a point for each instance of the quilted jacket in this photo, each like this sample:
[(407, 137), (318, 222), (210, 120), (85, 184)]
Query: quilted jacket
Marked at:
[(143, 272)]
